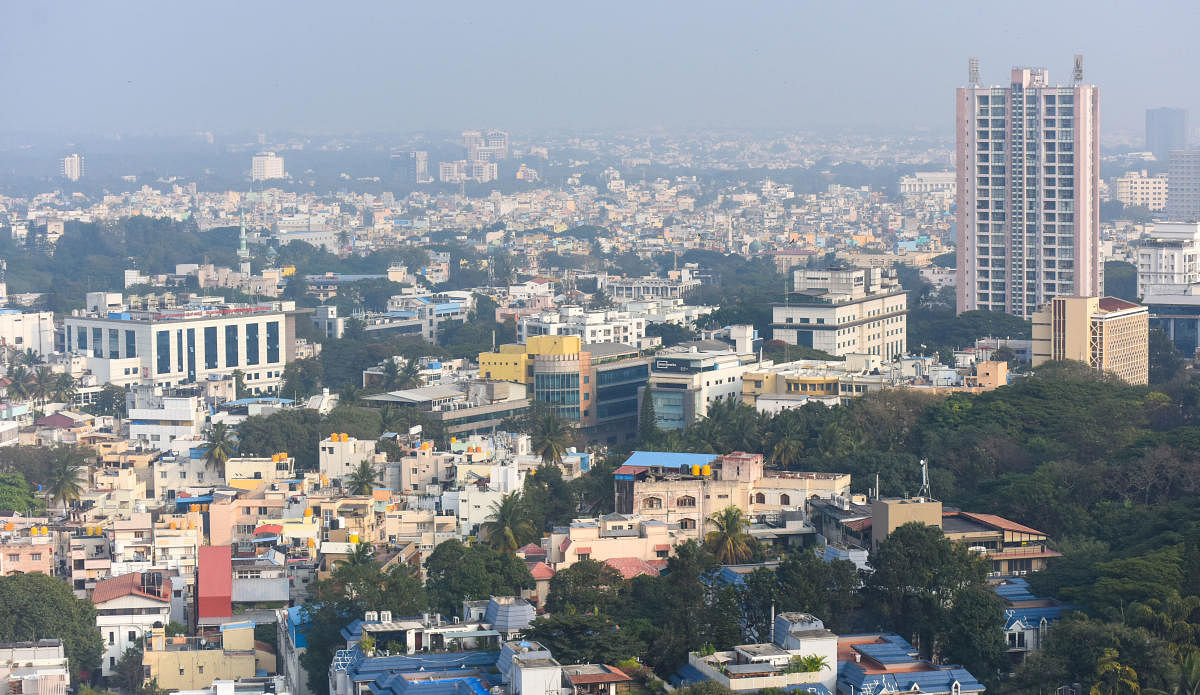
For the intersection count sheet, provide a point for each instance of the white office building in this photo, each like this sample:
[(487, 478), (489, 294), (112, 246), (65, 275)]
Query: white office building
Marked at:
[(683, 385), (266, 166), (187, 344), (340, 454), (844, 310)]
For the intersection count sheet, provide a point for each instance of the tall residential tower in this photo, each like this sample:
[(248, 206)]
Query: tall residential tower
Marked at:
[(1028, 212)]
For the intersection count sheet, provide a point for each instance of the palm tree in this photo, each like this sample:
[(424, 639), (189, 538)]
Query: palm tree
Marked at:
[(508, 528), (410, 376), (729, 541), (63, 390), (218, 447), (42, 384), (1114, 677), (362, 555), (30, 358), (65, 479), (807, 664), (1189, 674), (19, 379), (391, 374), (362, 479), (551, 436)]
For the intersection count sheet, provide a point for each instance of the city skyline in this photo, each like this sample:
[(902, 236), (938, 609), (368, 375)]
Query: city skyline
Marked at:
[(553, 67)]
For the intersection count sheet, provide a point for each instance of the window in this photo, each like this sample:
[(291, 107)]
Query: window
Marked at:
[(272, 341), (652, 503), (231, 346), (686, 501), (687, 523), (785, 499), (162, 342), (132, 636), (112, 637), (130, 344), (36, 557), (14, 557), (210, 347), (97, 339), (251, 344), (760, 498), (585, 556)]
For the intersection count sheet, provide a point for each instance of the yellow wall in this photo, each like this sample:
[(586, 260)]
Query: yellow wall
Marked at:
[(511, 362), (889, 515)]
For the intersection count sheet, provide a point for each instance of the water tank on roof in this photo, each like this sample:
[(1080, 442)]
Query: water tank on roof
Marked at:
[(695, 469)]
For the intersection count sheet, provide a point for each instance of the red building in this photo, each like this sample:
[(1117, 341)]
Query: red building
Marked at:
[(214, 583)]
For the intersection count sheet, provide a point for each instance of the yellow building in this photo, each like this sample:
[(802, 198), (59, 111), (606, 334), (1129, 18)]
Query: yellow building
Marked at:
[(514, 362), (1139, 188), (188, 663), (890, 514), (1104, 333)]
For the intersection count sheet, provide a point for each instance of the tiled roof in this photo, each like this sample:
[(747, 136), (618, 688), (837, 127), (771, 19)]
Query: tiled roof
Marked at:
[(631, 567), (128, 585), (1001, 523), (541, 570)]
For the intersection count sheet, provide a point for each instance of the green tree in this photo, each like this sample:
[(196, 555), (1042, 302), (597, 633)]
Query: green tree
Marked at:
[(128, 674), (219, 446), (549, 500), (35, 606), (16, 495), (584, 587), (363, 479), (551, 436), (647, 431), (1165, 361), (67, 476), (1113, 677), (729, 540), (508, 527), (584, 638), (110, 401), (301, 378), (455, 572)]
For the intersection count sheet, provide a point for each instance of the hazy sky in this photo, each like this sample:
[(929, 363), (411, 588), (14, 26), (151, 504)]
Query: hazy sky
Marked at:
[(175, 67)]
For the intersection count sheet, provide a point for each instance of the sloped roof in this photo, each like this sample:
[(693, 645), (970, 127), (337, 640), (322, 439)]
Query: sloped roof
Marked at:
[(128, 585), (1001, 523), (541, 570), (631, 567)]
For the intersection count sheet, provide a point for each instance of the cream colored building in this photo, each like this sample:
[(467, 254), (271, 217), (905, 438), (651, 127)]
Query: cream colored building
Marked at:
[(1141, 189), (842, 311), (612, 537), (184, 663), (887, 515), (678, 490), (340, 454), (1104, 333)]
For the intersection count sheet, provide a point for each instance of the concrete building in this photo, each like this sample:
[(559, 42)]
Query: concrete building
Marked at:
[(1183, 186), (591, 326), (754, 667), (845, 310), (21, 331), (616, 537), (34, 668), (1104, 333), (929, 182), (1168, 259), (1028, 204), (1166, 131), (1140, 189), (594, 386), (266, 166), (340, 454), (465, 407), (684, 490), (190, 663), (188, 344), (678, 285), (72, 167), (683, 385), (159, 419), (27, 550), (128, 607)]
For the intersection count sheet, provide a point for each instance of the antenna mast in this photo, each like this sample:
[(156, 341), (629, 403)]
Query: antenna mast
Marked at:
[(1078, 74), (925, 480), (973, 71)]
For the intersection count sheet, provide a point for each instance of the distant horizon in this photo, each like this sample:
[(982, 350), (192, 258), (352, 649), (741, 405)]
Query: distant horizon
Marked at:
[(308, 67)]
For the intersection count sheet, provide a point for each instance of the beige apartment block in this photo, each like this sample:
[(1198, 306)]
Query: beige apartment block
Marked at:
[(1105, 333)]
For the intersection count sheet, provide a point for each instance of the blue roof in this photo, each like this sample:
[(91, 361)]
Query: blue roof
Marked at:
[(816, 688), (371, 668), (668, 459), (854, 677)]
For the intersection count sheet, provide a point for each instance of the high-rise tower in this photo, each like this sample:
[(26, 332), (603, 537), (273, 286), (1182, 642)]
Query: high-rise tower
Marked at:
[(1028, 209)]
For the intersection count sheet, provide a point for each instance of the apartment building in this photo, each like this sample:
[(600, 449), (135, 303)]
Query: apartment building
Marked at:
[(1105, 333), (340, 455), (1028, 204), (1183, 186), (21, 331), (1140, 189), (677, 285), (684, 490), (266, 166), (27, 550), (34, 668), (929, 182), (158, 418), (590, 326), (188, 344), (625, 541), (844, 310), (189, 663)]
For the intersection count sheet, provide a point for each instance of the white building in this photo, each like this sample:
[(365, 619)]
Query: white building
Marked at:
[(929, 182), (591, 326), (27, 331), (266, 166), (680, 283), (127, 607), (1168, 259), (34, 668), (72, 167), (340, 454), (1028, 207), (187, 344), (842, 311), (159, 420), (683, 385)]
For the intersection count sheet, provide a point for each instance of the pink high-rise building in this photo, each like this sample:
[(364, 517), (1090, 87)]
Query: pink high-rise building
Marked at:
[(1028, 208)]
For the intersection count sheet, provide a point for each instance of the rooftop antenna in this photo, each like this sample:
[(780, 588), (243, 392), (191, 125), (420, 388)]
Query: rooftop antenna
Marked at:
[(1078, 74), (877, 495), (925, 493), (973, 71)]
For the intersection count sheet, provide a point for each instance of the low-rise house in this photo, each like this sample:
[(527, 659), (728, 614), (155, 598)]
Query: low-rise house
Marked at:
[(886, 662), (1027, 618), (127, 608), (27, 551), (189, 663), (614, 537), (782, 663)]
